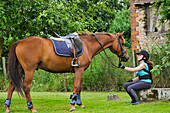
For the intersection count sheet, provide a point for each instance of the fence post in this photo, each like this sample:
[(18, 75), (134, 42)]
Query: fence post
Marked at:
[(134, 61), (4, 69), (65, 82)]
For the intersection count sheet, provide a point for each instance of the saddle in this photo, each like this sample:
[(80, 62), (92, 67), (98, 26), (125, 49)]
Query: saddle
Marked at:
[(73, 43)]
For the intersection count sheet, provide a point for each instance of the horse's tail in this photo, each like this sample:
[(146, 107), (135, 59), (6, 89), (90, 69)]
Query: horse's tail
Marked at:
[(13, 69)]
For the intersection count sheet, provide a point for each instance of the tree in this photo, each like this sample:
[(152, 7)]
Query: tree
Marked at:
[(1, 26), (122, 23), (21, 19)]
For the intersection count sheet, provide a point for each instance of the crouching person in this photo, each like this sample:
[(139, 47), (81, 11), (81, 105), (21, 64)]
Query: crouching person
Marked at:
[(143, 79)]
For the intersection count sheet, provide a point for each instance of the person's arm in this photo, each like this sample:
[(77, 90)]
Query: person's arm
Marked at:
[(140, 67)]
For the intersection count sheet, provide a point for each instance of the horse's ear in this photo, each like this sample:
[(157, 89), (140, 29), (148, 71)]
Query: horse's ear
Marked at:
[(121, 33)]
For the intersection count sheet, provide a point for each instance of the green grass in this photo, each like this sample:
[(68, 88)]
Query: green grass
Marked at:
[(58, 102)]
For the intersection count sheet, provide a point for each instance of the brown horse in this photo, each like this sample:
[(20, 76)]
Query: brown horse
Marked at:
[(33, 53)]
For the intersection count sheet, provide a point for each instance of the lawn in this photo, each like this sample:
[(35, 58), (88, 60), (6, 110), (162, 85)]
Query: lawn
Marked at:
[(58, 102)]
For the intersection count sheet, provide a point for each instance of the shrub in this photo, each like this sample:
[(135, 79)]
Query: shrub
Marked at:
[(160, 55)]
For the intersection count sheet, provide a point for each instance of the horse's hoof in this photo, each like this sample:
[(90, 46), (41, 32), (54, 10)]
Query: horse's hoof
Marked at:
[(33, 110), (82, 106), (7, 111), (72, 110)]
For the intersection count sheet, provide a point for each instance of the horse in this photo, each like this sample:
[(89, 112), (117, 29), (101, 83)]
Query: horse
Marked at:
[(33, 53)]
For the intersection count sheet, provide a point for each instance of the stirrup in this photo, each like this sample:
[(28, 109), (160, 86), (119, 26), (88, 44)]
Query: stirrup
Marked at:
[(72, 62)]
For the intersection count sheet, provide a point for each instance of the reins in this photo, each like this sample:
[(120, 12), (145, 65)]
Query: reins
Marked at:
[(113, 65), (122, 52)]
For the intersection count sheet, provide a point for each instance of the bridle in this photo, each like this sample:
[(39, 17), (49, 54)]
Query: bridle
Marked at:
[(122, 52), (120, 56)]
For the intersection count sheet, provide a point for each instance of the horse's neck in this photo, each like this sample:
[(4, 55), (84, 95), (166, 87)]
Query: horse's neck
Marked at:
[(93, 45)]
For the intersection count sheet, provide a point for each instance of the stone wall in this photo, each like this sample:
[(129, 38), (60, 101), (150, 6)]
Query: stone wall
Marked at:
[(142, 26), (145, 29), (154, 94), (151, 39)]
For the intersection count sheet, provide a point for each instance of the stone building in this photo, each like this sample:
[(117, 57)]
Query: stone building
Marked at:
[(144, 25)]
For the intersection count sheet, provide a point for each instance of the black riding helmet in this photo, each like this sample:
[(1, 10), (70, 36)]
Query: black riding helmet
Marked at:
[(144, 53)]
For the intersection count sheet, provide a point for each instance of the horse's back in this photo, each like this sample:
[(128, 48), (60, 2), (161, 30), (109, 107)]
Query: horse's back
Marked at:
[(33, 45), (30, 51), (36, 52)]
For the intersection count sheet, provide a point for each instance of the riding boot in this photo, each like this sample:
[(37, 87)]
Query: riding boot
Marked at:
[(133, 100), (132, 92)]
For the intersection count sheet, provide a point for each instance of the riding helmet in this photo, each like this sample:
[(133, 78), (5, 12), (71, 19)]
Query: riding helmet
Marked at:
[(144, 53)]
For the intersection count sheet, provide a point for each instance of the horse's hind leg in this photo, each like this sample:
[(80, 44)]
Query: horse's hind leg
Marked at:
[(8, 100), (27, 86)]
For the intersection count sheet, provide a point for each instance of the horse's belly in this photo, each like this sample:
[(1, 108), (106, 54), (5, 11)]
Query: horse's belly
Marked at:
[(57, 64)]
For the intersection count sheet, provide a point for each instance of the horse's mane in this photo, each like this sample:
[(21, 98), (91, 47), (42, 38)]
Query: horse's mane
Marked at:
[(100, 33), (97, 33), (84, 33)]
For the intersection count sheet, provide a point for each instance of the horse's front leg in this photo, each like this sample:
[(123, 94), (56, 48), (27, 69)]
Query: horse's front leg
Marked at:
[(8, 100), (77, 89)]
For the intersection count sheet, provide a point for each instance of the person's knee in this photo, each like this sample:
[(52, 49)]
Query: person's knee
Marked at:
[(129, 88), (125, 86)]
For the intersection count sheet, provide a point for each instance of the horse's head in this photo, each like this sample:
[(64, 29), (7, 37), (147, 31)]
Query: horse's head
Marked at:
[(118, 47)]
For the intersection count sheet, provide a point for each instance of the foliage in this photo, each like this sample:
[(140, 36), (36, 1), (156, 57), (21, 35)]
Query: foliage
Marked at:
[(101, 76), (21, 19), (160, 55), (45, 81), (122, 23), (164, 10), (163, 54), (58, 102)]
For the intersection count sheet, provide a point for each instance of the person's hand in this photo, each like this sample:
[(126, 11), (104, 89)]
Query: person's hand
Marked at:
[(121, 66), (130, 80)]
